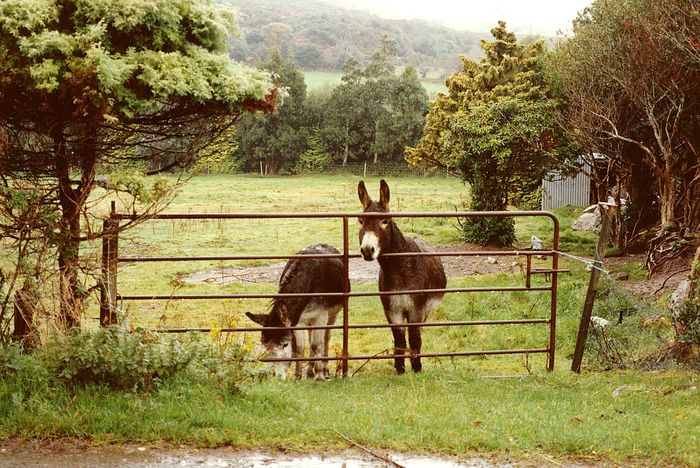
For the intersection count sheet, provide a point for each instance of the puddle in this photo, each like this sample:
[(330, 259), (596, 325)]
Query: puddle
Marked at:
[(222, 457)]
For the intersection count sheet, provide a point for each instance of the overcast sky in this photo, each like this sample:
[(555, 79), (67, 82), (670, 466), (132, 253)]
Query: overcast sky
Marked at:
[(522, 16)]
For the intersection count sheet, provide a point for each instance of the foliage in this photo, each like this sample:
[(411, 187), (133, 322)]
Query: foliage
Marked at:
[(121, 359), (496, 127), (14, 362), (84, 84), (274, 142), (489, 231), (324, 37), (374, 113), (315, 159), (630, 76), (687, 322), (217, 158), (126, 360)]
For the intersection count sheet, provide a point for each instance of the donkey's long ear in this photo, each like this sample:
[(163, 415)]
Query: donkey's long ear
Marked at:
[(284, 314), (364, 196), (384, 193), (257, 318)]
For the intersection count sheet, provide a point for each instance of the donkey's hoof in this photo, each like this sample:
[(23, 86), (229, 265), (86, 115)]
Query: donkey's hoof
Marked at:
[(400, 370), (322, 378)]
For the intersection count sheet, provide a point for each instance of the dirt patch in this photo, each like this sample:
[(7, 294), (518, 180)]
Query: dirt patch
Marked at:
[(361, 270), (665, 279)]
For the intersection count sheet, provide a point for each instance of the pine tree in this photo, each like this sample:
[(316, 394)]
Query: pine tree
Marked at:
[(496, 127)]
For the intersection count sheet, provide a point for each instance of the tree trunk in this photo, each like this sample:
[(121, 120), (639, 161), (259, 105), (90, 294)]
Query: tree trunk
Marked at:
[(376, 132), (25, 300), (72, 201), (346, 149), (667, 195)]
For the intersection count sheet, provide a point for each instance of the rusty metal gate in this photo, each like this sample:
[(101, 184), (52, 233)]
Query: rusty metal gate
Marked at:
[(111, 259)]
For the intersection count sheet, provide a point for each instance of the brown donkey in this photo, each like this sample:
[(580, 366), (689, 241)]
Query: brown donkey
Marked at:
[(379, 236)]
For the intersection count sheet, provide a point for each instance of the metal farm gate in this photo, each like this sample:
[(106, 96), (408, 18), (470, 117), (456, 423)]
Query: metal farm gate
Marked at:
[(111, 260)]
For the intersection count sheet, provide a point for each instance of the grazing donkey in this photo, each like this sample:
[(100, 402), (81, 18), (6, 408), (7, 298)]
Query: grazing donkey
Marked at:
[(379, 236), (312, 275)]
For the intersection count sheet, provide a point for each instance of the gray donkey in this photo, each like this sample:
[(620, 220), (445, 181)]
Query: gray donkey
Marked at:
[(302, 275), (379, 236)]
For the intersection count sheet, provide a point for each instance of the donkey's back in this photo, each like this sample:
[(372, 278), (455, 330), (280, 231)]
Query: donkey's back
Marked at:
[(312, 275)]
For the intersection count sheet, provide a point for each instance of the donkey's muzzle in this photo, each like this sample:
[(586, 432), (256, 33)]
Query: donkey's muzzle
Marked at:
[(368, 253)]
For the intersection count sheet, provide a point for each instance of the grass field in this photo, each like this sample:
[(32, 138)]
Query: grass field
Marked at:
[(246, 193), (508, 406), (319, 79)]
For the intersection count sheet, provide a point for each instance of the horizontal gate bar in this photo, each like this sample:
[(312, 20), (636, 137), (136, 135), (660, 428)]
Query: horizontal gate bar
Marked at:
[(482, 253), (354, 326), (426, 355), (157, 297), (447, 214)]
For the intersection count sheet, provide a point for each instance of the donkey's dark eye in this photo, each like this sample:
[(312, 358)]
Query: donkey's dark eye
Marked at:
[(385, 222), (360, 220)]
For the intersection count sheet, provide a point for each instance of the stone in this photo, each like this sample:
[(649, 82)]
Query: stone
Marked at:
[(619, 391), (491, 260), (678, 297), (588, 222), (622, 276)]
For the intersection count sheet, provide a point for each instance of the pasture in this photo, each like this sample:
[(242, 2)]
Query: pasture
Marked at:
[(319, 79), (506, 407)]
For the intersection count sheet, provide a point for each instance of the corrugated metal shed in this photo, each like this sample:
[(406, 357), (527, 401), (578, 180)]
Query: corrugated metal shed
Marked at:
[(559, 191)]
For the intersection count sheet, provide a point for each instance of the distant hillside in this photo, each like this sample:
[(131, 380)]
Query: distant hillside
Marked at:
[(324, 37)]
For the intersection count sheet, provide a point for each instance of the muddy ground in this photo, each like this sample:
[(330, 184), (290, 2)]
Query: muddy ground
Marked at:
[(68, 453)]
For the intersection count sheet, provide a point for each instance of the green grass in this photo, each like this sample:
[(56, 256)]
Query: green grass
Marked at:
[(323, 79), (655, 420), (457, 406)]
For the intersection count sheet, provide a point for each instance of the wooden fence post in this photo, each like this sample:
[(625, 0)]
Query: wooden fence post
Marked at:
[(108, 294), (592, 285)]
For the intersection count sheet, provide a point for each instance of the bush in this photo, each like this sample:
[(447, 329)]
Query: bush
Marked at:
[(489, 231), (530, 201), (687, 323), (314, 160), (121, 359), (28, 370)]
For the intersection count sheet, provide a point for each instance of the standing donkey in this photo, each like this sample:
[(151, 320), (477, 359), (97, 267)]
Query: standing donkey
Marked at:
[(379, 236), (302, 275)]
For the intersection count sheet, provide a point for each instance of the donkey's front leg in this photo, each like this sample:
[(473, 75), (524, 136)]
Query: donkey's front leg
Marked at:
[(316, 350), (415, 341), (298, 352), (399, 349)]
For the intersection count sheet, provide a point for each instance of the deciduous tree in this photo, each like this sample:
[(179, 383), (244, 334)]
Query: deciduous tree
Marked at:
[(275, 141), (631, 77)]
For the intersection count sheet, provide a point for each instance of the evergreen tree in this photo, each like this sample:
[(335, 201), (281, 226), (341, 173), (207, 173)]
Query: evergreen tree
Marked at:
[(495, 127), (85, 84)]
